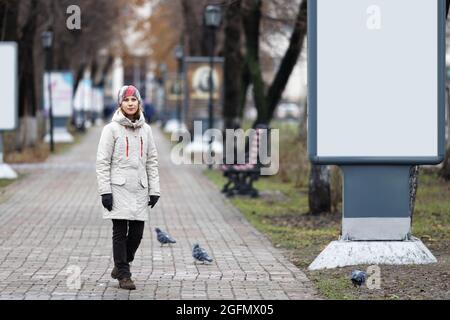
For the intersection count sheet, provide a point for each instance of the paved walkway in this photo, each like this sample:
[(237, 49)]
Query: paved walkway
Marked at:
[(52, 230)]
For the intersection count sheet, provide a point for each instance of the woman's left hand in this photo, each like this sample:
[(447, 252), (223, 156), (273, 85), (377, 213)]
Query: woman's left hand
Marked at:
[(153, 201)]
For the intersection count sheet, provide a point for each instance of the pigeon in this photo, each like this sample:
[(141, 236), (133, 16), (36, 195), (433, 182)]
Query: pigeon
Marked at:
[(200, 254), (358, 277), (163, 237)]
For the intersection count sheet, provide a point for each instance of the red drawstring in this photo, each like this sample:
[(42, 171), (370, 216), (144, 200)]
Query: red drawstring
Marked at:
[(142, 146), (127, 146)]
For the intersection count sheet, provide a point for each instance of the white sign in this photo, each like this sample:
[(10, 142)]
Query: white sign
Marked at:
[(87, 94), (377, 78), (83, 96), (8, 85), (62, 93), (98, 100)]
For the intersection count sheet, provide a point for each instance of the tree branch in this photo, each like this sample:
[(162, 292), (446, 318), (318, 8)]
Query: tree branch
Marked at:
[(289, 60)]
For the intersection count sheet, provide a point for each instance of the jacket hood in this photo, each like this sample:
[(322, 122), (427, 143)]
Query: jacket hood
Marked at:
[(120, 118)]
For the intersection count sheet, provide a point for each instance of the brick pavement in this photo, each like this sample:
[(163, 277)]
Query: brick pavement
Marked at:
[(52, 228)]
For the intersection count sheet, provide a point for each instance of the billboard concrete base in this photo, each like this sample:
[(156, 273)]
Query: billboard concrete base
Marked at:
[(60, 135), (349, 253), (6, 172)]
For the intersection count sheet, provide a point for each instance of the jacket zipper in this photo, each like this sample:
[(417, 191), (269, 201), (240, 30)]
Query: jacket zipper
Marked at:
[(142, 146), (127, 146)]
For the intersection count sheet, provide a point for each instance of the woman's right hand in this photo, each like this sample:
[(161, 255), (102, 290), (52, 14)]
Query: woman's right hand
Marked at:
[(107, 201)]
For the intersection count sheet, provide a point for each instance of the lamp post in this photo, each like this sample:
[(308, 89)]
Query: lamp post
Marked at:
[(179, 55), (47, 43), (213, 20)]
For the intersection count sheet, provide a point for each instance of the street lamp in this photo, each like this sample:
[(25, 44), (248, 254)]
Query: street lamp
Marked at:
[(47, 43), (179, 55), (213, 20)]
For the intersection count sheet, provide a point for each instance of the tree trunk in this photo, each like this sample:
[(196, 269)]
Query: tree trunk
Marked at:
[(106, 69), (445, 171), (302, 132), (233, 66), (266, 104), (195, 34), (94, 69), (319, 189), (27, 103), (78, 76), (251, 21), (27, 96), (9, 13), (245, 83), (289, 60), (413, 185)]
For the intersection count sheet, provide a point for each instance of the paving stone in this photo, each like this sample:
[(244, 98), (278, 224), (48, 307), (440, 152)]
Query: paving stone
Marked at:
[(55, 245)]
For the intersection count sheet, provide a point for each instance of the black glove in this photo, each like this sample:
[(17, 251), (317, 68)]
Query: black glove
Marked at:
[(153, 201), (107, 201)]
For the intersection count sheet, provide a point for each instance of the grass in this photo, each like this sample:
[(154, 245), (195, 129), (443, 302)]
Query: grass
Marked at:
[(432, 219), (332, 288), (282, 214), (5, 182)]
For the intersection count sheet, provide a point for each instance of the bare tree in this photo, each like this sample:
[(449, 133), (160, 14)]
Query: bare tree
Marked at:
[(24, 21), (266, 100), (193, 26), (319, 193), (233, 65), (252, 26), (9, 10)]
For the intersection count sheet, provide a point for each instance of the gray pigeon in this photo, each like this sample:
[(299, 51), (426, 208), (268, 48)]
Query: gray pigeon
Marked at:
[(358, 277), (200, 254), (163, 237)]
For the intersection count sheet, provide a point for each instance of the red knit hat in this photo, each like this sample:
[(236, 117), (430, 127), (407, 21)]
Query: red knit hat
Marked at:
[(128, 91)]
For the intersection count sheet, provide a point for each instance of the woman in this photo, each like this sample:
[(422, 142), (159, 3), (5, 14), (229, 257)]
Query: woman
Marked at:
[(128, 180)]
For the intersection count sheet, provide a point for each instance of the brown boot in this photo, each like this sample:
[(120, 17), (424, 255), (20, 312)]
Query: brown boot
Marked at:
[(127, 284), (115, 273)]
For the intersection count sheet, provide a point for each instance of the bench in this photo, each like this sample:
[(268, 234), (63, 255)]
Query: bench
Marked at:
[(240, 177)]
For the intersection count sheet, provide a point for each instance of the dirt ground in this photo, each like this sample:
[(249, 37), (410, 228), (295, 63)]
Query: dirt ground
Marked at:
[(397, 282)]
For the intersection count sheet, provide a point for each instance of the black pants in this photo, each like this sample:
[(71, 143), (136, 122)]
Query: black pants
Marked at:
[(127, 236)]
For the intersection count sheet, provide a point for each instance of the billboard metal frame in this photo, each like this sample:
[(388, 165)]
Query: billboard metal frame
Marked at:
[(312, 100)]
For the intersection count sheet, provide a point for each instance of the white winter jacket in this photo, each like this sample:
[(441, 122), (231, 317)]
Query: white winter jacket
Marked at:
[(127, 167)]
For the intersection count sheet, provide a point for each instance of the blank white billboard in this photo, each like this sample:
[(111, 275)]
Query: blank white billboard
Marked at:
[(377, 79), (62, 93), (8, 85)]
